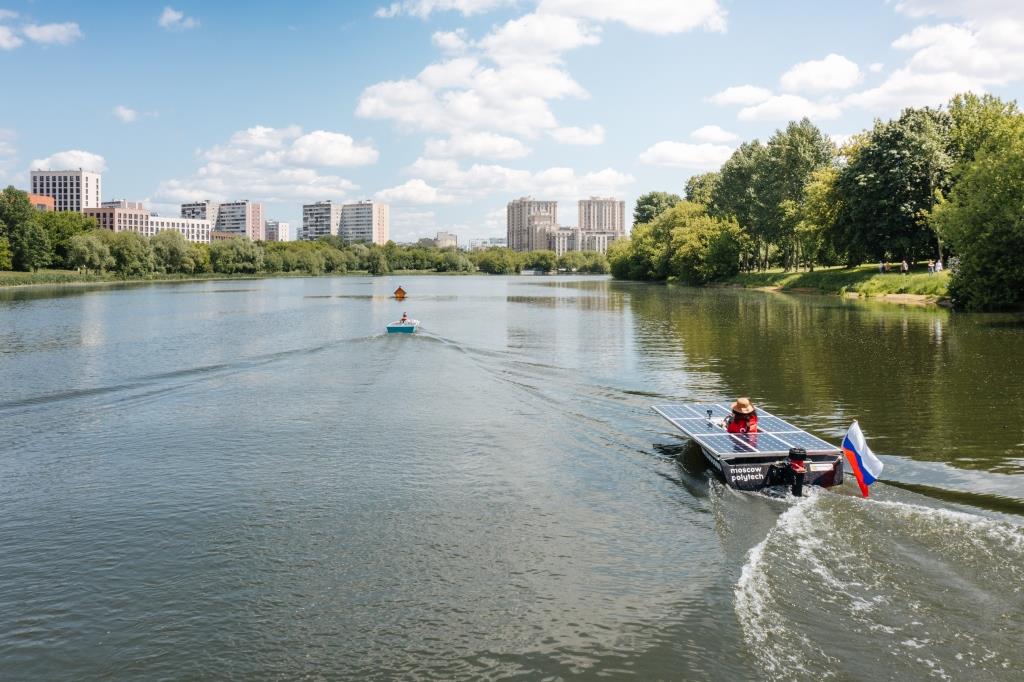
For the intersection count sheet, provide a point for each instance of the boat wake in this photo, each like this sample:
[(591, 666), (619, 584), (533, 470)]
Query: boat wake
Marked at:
[(841, 586)]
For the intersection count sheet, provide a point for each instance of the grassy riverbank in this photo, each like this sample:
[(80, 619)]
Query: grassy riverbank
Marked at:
[(862, 281)]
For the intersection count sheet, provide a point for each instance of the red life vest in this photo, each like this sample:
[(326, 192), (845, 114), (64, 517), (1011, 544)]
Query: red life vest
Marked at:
[(745, 424)]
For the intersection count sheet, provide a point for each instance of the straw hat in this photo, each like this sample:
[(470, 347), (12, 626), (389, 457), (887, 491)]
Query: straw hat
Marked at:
[(743, 406)]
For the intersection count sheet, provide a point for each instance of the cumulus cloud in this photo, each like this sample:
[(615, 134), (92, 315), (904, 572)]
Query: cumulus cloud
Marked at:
[(9, 40), (270, 164), (175, 20), (424, 8), (537, 39), (715, 134), (415, 191), (686, 155), (485, 145), (876, 67), (788, 108), (593, 135), (744, 95), (452, 42), (834, 72), (481, 180), (654, 16), (126, 114), (71, 159), (53, 34)]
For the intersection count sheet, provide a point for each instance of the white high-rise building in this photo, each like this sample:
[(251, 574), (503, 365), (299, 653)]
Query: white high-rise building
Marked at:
[(528, 221), (201, 210), (71, 190), (243, 218), (277, 231), (320, 220), (365, 221), (603, 214)]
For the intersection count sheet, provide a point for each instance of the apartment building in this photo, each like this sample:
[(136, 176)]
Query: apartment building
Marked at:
[(277, 231), (527, 221), (201, 210), (445, 240), (243, 218), (365, 221), (320, 220), (71, 190), (603, 214), (132, 216), (565, 239)]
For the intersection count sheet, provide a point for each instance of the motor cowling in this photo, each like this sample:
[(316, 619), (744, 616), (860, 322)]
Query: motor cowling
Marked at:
[(798, 469)]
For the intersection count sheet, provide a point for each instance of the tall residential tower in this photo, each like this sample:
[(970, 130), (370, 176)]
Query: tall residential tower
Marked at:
[(71, 190)]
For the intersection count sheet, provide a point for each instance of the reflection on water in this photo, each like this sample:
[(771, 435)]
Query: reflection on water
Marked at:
[(265, 484)]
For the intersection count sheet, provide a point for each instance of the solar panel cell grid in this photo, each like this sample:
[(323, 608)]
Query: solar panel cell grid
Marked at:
[(724, 444), (802, 439), (678, 411), (696, 427), (770, 424), (764, 442)]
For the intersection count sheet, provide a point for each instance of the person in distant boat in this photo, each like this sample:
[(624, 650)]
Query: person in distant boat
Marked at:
[(405, 318), (743, 418)]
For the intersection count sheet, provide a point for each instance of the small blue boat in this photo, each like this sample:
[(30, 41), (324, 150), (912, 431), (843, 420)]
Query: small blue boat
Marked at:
[(407, 327)]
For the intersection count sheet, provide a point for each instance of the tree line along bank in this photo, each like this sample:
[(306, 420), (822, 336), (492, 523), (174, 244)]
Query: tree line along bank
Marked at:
[(932, 184), (30, 240)]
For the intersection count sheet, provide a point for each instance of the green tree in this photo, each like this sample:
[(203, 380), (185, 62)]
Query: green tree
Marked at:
[(60, 227), (132, 254), (377, 263), (15, 210), (498, 261), (172, 252), (5, 252), (892, 179), (704, 248), (30, 249), (974, 118), (984, 222), (90, 253), (540, 260), (736, 195), (572, 261), (700, 189), (452, 261), (649, 206), (236, 255)]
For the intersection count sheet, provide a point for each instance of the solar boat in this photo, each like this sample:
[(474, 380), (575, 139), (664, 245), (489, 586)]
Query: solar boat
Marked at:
[(754, 461), (407, 327)]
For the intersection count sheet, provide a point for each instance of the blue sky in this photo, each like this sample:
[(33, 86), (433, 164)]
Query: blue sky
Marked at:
[(446, 109)]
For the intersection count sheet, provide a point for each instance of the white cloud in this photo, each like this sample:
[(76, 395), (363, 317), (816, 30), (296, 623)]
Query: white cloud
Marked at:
[(480, 180), (53, 34), (839, 139), (654, 16), (272, 165), (323, 148), (834, 72), (906, 88), (686, 155), (452, 42), (424, 8), (741, 94), (9, 40), (968, 9), (483, 145), (593, 135), (537, 39), (415, 191), (876, 67), (70, 160), (788, 108), (712, 133), (126, 114), (6, 14), (175, 20)]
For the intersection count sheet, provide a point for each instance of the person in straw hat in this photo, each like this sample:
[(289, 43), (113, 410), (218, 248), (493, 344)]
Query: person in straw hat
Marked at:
[(743, 418)]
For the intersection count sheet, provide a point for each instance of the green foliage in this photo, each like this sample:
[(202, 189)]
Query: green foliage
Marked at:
[(236, 255), (133, 256), (89, 253), (889, 184), (974, 119), (700, 189), (15, 211), (649, 206), (984, 222), (453, 261), (497, 261), (30, 248), (539, 260), (172, 252), (60, 227), (5, 252), (377, 263)]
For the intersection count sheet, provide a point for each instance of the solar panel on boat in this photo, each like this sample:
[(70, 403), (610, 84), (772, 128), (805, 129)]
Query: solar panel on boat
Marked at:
[(774, 435)]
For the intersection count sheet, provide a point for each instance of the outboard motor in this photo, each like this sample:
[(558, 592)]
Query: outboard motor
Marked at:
[(797, 457)]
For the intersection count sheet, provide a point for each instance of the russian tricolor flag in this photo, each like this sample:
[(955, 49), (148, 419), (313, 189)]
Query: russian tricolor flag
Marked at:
[(866, 467)]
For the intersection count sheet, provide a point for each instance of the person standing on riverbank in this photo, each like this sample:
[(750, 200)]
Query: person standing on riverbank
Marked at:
[(904, 268)]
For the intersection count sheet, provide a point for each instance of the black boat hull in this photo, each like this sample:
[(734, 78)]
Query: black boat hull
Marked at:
[(758, 473)]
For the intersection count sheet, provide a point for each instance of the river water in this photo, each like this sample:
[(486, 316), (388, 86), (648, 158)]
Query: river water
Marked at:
[(248, 479)]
